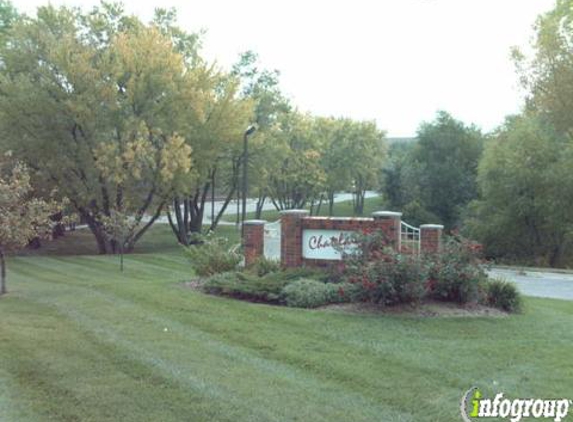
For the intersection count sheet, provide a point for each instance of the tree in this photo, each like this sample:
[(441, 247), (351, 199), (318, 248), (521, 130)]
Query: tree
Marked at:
[(333, 135), (447, 154), (95, 103), (364, 157), (216, 139), (261, 87), (548, 76), (296, 177), (8, 16), (22, 217), (526, 190), (117, 226)]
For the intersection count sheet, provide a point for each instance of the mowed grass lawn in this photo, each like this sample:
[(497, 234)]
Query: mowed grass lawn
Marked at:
[(340, 209), (79, 341)]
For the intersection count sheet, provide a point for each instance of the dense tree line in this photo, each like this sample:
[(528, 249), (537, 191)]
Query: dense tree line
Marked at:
[(512, 189), (129, 122)]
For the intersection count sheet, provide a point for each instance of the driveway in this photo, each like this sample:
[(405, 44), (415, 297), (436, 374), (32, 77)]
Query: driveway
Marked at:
[(539, 284)]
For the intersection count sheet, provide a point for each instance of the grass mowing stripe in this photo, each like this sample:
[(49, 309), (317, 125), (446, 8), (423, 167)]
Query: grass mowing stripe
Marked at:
[(231, 354), (40, 375), (347, 377), (400, 365), (352, 367)]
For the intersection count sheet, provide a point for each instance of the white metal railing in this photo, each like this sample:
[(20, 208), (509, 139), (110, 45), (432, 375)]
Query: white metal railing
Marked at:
[(409, 238)]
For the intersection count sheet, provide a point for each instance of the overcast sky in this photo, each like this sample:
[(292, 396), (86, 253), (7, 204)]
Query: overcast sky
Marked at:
[(395, 61)]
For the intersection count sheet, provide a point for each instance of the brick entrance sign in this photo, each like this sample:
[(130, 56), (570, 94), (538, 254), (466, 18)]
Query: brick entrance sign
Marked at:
[(308, 241)]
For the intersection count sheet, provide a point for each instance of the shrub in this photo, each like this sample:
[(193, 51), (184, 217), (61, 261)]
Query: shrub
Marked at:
[(212, 256), (504, 295), (309, 293), (246, 286), (382, 275), (457, 273), (263, 266)]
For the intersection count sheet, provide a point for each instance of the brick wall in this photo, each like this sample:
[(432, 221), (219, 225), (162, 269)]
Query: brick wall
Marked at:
[(431, 238), (293, 222), (253, 240)]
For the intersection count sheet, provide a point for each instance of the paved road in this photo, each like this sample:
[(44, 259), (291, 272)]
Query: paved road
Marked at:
[(231, 209), (540, 284)]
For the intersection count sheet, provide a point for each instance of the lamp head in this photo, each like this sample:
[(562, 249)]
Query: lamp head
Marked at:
[(250, 130)]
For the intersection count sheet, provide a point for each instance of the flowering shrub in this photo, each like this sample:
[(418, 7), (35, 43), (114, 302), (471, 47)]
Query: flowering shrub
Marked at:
[(382, 275), (457, 273)]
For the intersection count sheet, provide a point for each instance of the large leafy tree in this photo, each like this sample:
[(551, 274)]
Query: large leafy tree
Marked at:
[(524, 177), (22, 216), (97, 104), (8, 17), (216, 139), (526, 191), (296, 176), (365, 152), (547, 75), (261, 87), (446, 158)]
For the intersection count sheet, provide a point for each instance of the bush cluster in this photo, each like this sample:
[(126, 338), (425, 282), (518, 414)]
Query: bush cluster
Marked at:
[(213, 255), (373, 272), (456, 274), (246, 286), (268, 288), (379, 274), (311, 293), (503, 294), (263, 266)]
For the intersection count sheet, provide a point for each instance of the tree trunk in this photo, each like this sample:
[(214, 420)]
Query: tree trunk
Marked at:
[(330, 203), (99, 234), (178, 231), (130, 244), (555, 255), (3, 289), (319, 204), (260, 205), (215, 222), (359, 202)]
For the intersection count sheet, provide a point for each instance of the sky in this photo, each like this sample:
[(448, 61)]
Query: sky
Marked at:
[(393, 61)]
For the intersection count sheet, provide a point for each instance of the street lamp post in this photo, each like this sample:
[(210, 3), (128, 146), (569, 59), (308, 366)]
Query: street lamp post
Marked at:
[(250, 130)]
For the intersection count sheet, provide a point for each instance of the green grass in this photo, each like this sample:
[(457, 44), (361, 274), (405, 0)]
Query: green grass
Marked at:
[(79, 341), (159, 238), (341, 209)]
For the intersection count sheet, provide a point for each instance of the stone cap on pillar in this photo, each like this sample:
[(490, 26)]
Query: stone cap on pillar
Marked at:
[(432, 226), (294, 212), (387, 214), (254, 222)]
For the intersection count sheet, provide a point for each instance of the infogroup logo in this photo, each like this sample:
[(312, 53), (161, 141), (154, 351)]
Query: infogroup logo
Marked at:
[(474, 406)]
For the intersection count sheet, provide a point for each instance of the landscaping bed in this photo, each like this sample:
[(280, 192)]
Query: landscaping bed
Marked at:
[(374, 274)]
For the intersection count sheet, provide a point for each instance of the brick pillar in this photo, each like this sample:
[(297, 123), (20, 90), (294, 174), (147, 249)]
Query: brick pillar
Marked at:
[(431, 238), (253, 240), (389, 223), (291, 237)]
